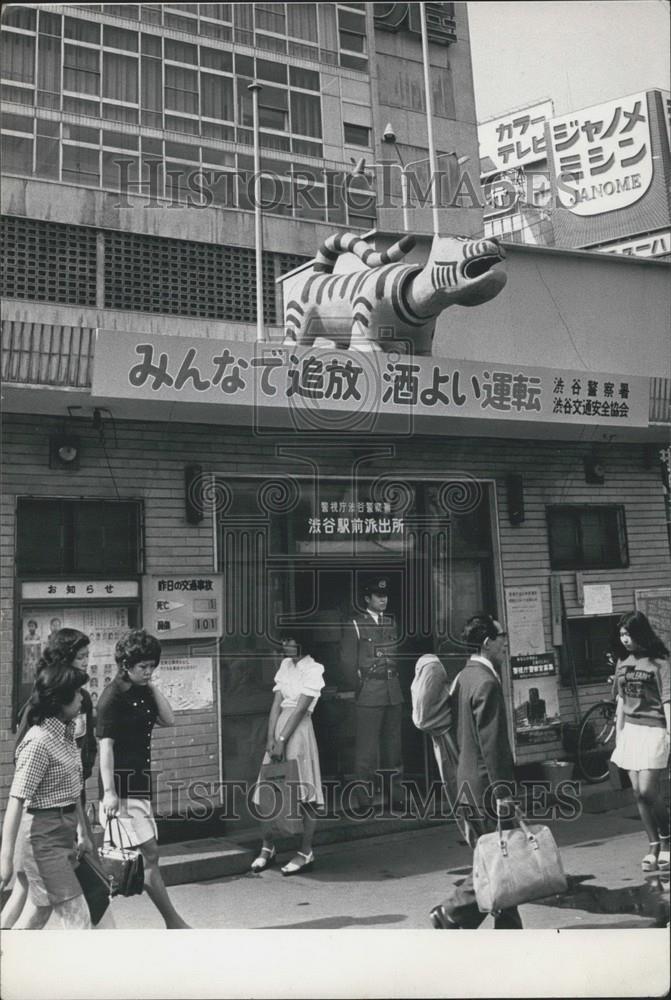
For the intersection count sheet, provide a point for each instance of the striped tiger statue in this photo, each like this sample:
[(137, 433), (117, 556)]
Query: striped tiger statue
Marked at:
[(387, 304)]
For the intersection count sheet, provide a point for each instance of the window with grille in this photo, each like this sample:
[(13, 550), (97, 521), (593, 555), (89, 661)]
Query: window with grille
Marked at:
[(81, 69), (59, 537), (352, 38), (587, 537), (48, 261), (52, 262), (589, 642), (356, 135), (180, 277), (17, 153), (18, 57)]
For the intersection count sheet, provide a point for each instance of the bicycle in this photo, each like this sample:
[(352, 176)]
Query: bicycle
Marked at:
[(596, 741)]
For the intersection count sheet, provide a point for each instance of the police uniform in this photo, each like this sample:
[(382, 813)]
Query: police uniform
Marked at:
[(368, 662)]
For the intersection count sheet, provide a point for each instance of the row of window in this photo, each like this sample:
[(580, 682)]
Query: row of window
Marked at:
[(78, 538), (51, 262), (172, 172), (49, 530), (201, 91), (330, 34)]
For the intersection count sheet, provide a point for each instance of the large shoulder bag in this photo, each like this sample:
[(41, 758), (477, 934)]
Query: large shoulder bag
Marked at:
[(516, 866), (276, 797), (123, 866)]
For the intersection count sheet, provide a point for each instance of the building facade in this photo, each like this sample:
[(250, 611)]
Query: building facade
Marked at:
[(596, 178), (164, 469)]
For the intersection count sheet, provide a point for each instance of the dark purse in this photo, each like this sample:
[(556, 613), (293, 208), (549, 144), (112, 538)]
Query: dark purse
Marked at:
[(94, 885), (123, 866)]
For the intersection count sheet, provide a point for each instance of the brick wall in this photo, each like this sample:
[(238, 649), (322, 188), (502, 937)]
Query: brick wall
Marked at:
[(147, 462)]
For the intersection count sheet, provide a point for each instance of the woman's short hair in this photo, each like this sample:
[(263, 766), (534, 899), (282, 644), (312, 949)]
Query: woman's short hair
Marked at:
[(55, 686), (135, 647), (64, 644), (301, 636)]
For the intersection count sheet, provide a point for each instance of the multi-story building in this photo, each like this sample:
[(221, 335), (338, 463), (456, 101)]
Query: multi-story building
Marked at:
[(158, 471), (127, 205)]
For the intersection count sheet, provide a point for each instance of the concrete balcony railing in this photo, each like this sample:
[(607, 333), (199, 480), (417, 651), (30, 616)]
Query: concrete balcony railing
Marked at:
[(44, 354), (660, 401)]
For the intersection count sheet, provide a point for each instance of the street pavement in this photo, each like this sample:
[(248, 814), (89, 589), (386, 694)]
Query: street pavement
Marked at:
[(392, 882)]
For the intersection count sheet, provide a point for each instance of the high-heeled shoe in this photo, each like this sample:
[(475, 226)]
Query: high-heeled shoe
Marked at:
[(264, 860), (294, 867)]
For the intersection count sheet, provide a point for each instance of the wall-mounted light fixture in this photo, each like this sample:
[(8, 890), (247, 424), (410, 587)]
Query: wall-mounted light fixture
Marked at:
[(594, 471), (64, 451)]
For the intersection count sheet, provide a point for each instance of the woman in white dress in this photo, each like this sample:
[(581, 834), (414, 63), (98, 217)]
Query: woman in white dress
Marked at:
[(298, 684)]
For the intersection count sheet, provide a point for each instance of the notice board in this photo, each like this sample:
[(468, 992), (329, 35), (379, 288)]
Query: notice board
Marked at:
[(655, 603)]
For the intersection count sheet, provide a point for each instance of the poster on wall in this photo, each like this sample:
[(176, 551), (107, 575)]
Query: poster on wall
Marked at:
[(524, 609), (103, 625), (597, 599), (186, 682), (533, 668), (536, 709), (655, 603)]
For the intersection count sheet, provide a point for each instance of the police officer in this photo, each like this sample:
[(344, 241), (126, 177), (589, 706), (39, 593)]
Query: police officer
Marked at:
[(368, 664)]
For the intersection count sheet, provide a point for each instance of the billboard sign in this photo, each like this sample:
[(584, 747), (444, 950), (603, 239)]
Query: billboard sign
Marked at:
[(514, 140), (602, 156), (307, 381)]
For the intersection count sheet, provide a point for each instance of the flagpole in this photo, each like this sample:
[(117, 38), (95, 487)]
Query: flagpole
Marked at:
[(258, 221), (429, 122)]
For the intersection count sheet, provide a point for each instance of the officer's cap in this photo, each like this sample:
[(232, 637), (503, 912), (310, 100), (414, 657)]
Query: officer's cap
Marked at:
[(378, 585)]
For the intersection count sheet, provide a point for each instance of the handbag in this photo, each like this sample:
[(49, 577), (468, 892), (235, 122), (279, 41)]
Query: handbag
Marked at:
[(276, 797), (94, 885), (516, 866), (123, 866)]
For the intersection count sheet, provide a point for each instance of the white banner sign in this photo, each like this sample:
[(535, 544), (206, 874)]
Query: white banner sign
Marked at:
[(602, 156), (79, 590), (514, 139)]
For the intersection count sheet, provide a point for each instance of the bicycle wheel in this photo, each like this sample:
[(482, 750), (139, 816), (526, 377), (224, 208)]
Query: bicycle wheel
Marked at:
[(596, 741)]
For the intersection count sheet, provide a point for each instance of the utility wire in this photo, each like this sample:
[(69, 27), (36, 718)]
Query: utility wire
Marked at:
[(101, 437)]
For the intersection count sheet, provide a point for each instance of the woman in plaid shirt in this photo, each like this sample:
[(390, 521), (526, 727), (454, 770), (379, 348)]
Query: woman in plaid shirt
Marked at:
[(67, 647), (48, 777)]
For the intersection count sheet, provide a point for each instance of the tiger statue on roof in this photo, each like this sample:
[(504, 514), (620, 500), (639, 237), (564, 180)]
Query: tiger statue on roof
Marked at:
[(387, 304)]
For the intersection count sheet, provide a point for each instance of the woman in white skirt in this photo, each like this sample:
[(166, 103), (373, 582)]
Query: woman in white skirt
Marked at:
[(643, 725), (298, 684)]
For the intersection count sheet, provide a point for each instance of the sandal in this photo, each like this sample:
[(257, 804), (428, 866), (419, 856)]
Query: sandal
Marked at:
[(663, 856), (266, 858), (649, 862), (293, 866)]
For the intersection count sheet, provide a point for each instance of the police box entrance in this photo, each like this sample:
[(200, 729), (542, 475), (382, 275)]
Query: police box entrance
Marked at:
[(300, 552)]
